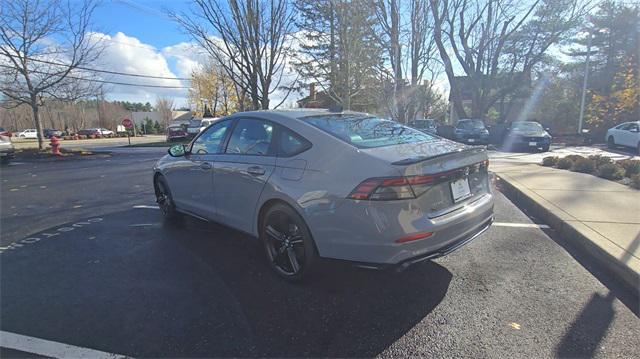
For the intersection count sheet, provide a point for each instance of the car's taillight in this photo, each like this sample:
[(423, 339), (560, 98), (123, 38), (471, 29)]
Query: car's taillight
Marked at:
[(390, 188), (406, 187)]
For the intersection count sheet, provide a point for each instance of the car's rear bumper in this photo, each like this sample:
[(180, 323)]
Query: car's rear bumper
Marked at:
[(367, 233)]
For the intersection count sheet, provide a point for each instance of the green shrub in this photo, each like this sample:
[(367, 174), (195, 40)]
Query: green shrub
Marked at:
[(565, 163), (584, 165), (550, 161), (635, 181), (600, 160), (631, 167), (611, 171)]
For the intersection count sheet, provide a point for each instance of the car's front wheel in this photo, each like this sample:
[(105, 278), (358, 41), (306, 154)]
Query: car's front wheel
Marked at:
[(287, 242), (165, 199), (611, 142)]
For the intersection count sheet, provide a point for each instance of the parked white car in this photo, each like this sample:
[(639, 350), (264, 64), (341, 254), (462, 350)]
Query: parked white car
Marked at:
[(28, 133), (105, 132), (626, 134)]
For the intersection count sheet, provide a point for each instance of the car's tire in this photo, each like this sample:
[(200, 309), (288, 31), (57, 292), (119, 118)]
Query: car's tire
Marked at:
[(545, 149), (638, 148), (165, 199), (611, 142), (288, 245)]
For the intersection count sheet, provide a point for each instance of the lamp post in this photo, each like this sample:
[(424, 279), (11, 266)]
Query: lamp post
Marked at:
[(584, 82)]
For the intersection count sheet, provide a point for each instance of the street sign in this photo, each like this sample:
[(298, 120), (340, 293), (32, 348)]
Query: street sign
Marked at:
[(127, 123)]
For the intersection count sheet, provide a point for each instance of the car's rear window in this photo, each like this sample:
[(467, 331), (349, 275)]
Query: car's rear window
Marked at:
[(367, 131)]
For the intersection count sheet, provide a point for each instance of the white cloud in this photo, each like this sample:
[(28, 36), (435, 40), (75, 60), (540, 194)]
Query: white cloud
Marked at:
[(127, 54)]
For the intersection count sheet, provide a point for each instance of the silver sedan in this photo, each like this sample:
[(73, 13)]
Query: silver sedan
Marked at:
[(314, 184)]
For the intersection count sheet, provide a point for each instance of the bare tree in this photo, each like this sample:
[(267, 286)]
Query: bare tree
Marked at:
[(249, 38), (43, 45), (414, 65), (164, 106), (496, 44)]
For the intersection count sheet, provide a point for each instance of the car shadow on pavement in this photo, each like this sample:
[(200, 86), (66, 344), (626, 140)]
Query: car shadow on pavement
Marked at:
[(342, 311), (131, 284)]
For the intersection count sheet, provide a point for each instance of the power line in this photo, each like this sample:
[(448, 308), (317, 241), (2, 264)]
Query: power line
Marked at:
[(108, 82), (111, 72)]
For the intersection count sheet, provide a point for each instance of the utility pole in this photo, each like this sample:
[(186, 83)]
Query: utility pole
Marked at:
[(584, 82)]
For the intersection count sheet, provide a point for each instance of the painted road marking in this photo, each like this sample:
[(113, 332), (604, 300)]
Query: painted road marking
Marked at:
[(521, 225), (145, 206), (144, 224), (49, 348), (45, 235)]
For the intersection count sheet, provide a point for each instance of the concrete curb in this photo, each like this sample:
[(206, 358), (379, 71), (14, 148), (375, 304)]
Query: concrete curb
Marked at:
[(569, 228)]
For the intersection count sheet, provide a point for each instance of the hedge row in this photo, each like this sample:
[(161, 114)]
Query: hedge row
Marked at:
[(598, 165)]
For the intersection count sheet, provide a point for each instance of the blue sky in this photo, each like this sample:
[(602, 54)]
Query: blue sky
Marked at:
[(144, 19)]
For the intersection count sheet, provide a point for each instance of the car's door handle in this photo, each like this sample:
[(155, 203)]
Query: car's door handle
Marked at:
[(255, 170), (205, 166)]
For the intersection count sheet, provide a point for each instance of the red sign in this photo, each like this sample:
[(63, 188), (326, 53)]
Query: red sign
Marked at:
[(127, 123)]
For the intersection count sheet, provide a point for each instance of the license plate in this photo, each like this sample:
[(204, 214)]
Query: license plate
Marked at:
[(460, 189), (533, 143), (471, 140)]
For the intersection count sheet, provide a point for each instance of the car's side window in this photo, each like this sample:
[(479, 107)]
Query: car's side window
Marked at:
[(291, 144), (211, 140), (624, 126), (251, 137), (632, 127)]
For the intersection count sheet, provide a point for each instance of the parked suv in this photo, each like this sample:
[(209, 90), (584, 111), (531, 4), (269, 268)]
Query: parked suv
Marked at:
[(471, 131), (425, 125), (7, 151)]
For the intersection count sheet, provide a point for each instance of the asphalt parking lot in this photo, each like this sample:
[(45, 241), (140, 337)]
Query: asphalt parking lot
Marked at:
[(86, 260)]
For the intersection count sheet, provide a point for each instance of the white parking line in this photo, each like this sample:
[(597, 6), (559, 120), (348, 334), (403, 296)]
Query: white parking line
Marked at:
[(145, 206), (521, 225), (144, 224), (48, 348)]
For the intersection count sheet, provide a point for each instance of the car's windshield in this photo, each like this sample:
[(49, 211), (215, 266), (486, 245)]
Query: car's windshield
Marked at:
[(367, 132), (526, 126), (471, 125)]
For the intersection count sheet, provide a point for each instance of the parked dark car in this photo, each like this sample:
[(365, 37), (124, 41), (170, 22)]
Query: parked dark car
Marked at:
[(89, 132), (425, 125), (176, 133), (527, 135), (48, 132), (471, 131), (5, 133)]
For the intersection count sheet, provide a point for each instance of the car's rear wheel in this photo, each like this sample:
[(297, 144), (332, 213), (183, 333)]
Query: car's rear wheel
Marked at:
[(611, 142), (165, 199), (287, 242)]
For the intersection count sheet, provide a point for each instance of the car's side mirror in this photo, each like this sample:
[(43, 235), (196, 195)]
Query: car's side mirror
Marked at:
[(177, 150), (547, 129)]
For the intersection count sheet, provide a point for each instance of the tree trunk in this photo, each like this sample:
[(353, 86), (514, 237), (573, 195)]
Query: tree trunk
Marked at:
[(36, 120)]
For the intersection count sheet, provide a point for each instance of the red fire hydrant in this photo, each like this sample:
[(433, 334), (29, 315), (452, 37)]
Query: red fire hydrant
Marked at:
[(55, 146)]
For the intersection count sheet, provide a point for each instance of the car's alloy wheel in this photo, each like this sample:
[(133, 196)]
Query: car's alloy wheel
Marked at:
[(164, 199), (287, 242)]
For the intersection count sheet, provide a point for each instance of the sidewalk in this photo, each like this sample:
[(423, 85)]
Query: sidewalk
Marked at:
[(600, 216)]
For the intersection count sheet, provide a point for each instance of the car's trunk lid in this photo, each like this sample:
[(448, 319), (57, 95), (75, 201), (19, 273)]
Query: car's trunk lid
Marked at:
[(448, 162)]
